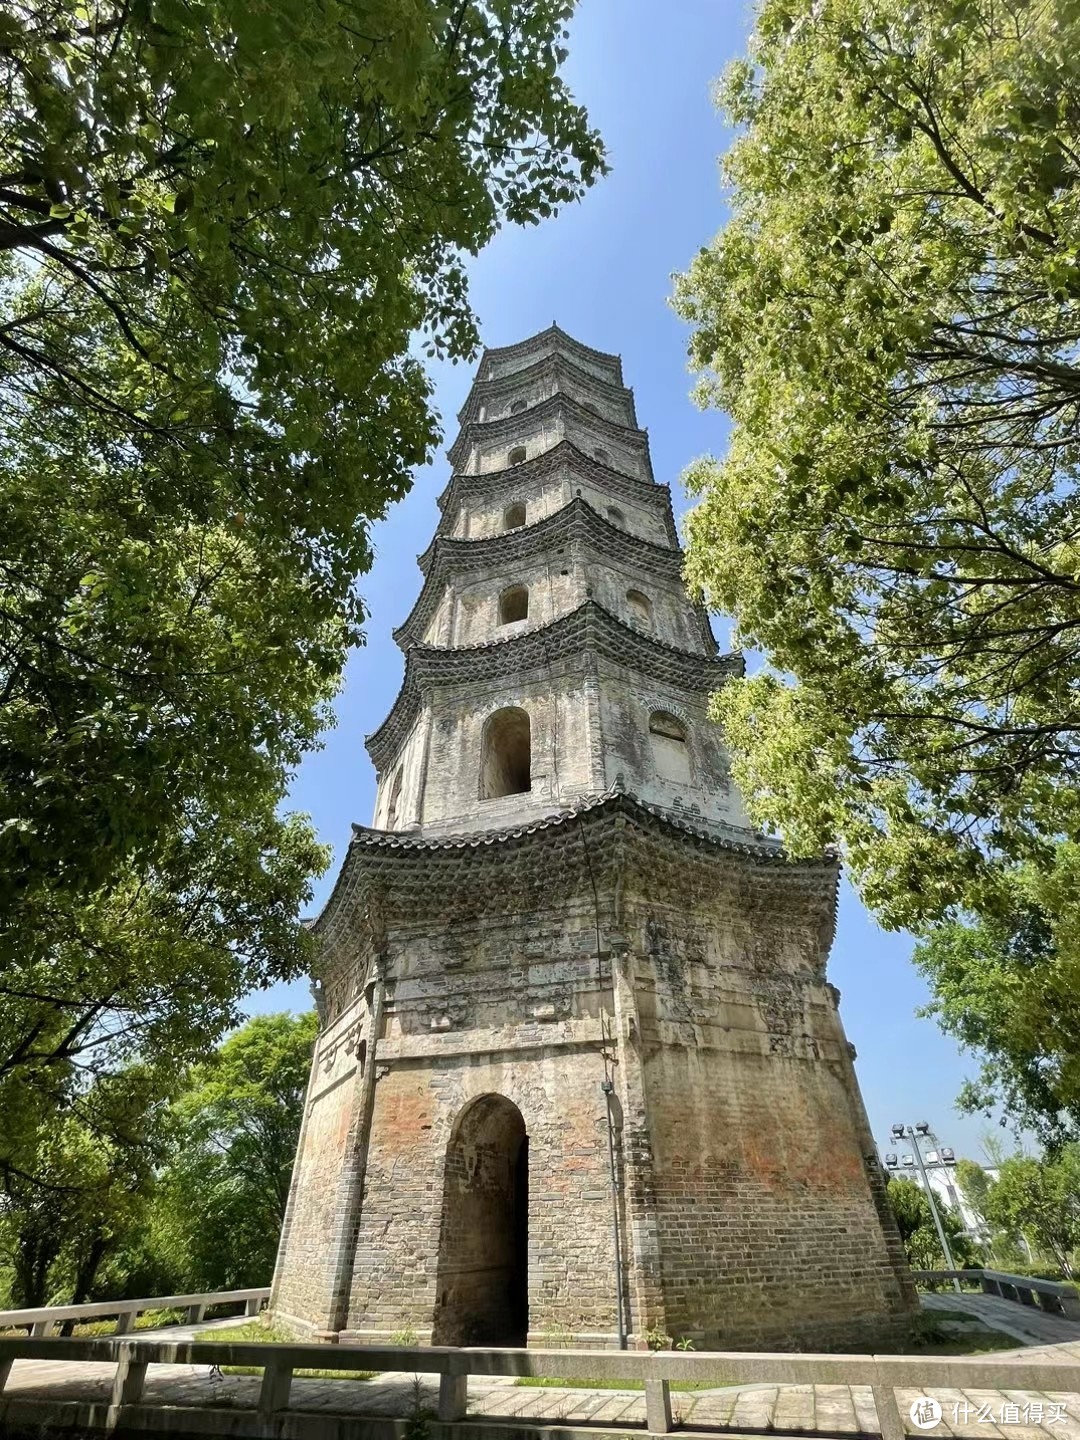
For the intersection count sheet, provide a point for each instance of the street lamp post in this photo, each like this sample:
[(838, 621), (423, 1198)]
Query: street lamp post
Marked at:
[(912, 1133)]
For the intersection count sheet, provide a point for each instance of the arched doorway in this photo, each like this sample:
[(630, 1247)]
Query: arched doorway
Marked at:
[(482, 1295)]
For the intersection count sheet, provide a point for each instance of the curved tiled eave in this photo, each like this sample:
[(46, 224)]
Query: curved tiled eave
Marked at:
[(495, 482), (428, 873), (588, 628), (535, 344), (508, 427), (577, 520), (524, 539), (552, 365)]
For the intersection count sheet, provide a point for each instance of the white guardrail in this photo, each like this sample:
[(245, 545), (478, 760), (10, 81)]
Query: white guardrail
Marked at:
[(1054, 1296), (882, 1373), (41, 1322)]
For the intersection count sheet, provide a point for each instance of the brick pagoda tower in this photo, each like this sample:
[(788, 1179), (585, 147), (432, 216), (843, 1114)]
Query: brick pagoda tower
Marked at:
[(579, 1072)]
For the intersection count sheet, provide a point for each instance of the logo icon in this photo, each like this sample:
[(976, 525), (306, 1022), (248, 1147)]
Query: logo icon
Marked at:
[(925, 1413)]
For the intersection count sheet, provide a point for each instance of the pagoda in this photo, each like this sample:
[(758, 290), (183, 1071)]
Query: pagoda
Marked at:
[(580, 1078)]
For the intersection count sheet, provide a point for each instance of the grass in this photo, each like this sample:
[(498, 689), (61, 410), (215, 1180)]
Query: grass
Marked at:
[(267, 1334), (549, 1382), (148, 1320), (931, 1337), (973, 1342)]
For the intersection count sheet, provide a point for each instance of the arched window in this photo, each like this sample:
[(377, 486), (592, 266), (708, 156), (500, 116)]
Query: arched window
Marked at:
[(514, 516), (668, 736), (506, 754), (640, 609), (517, 407), (602, 455), (516, 456), (395, 796), (513, 604), (615, 515)]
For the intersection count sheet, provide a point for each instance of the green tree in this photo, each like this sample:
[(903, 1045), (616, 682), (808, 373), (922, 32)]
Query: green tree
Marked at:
[(974, 1185), (88, 1190), (220, 227), (1000, 989), (917, 1230), (891, 319), (1040, 1200), (220, 1202)]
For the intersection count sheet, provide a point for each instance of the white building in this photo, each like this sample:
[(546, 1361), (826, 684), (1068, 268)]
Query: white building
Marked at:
[(939, 1162)]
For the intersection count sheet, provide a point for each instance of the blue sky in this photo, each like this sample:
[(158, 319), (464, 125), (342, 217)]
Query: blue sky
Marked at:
[(602, 270)]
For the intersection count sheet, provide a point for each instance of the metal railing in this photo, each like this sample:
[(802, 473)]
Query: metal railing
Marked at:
[(40, 1322), (278, 1363), (1053, 1296)]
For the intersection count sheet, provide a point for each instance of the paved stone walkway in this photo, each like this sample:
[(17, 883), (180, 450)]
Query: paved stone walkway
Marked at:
[(839, 1410), (1026, 1322)]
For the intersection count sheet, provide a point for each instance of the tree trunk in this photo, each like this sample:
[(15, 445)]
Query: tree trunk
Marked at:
[(34, 1255), (85, 1276)]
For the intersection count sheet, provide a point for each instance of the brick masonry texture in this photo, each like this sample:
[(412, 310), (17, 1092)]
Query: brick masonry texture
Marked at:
[(488, 963)]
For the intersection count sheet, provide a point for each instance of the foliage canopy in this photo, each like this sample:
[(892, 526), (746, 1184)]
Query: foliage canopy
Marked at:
[(220, 226), (1040, 1199), (891, 318), (220, 1202), (1001, 989), (162, 1184), (917, 1229)]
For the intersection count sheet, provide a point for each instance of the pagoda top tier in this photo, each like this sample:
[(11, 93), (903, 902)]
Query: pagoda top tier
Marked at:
[(505, 359)]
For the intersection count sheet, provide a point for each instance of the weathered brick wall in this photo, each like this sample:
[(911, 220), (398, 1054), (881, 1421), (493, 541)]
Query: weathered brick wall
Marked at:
[(570, 1261), (553, 590), (639, 519), (586, 730), (535, 434), (557, 583), (410, 764), (761, 1168), (483, 516), (301, 1279), (749, 1214), (559, 719)]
